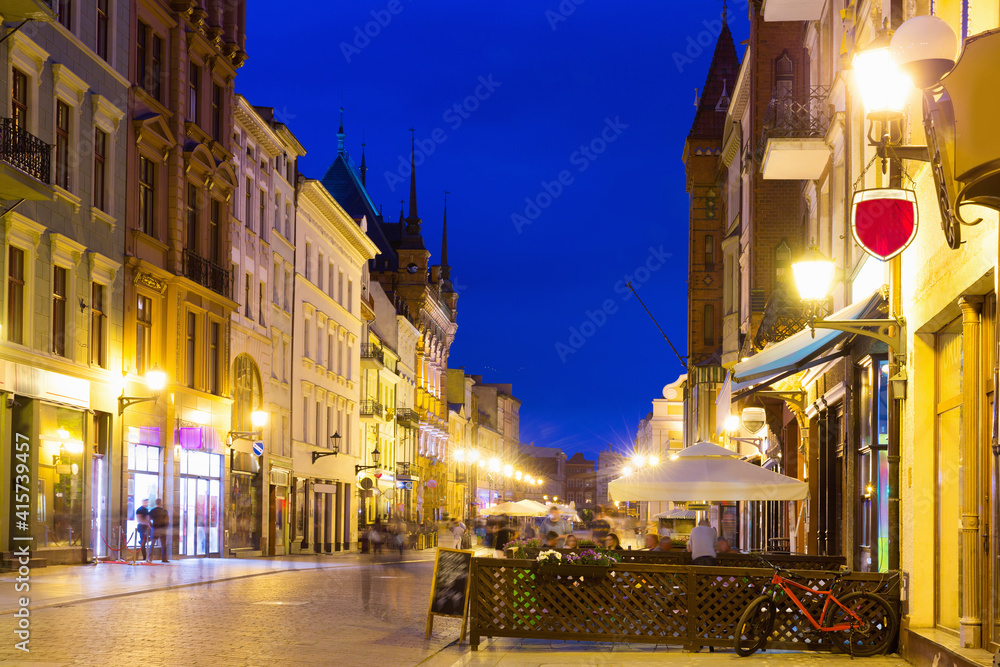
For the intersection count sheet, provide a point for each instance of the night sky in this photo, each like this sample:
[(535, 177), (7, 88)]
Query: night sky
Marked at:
[(558, 129)]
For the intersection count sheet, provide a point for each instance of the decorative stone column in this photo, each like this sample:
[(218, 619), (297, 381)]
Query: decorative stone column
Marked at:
[(970, 631)]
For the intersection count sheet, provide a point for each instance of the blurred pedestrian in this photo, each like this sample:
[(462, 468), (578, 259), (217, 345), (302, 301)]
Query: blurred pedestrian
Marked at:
[(458, 532), (159, 518), (142, 525), (551, 540), (504, 535), (652, 542), (612, 542), (572, 542), (554, 522)]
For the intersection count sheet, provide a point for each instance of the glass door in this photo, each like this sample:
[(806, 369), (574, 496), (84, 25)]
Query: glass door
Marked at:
[(98, 509), (199, 506)]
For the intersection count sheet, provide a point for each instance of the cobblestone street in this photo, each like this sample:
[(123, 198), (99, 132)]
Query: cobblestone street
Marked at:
[(344, 610)]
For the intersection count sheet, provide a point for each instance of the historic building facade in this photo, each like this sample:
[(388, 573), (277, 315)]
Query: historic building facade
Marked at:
[(261, 332), (331, 265), (178, 283), (64, 209)]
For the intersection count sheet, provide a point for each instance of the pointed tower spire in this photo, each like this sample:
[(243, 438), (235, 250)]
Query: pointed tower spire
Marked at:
[(725, 12), (340, 132), (364, 168), (445, 269), (402, 214), (413, 178)]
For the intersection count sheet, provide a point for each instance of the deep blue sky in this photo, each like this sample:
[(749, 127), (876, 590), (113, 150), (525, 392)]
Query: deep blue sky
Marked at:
[(554, 90)]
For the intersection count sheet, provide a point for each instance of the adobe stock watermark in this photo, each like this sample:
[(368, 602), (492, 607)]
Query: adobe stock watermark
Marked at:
[(453, 117), (21, 536), (562, 12), (593, 320), (581, 158), (704, 41), (363, 35)]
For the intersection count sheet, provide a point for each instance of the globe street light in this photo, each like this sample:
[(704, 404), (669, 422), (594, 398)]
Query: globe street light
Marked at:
[(813, 276), (156, 380)]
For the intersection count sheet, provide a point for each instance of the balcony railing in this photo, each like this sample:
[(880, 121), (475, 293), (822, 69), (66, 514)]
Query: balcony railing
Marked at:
[(373, 352), (407, 416), (784, 315), (372, 408), (19, 148), (790, 116), (206, 273)]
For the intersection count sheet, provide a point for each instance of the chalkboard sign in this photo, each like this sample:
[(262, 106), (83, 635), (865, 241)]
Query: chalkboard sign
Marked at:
[(450, 586)]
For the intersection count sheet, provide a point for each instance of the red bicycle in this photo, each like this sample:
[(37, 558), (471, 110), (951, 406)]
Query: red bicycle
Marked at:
[(864, 623)]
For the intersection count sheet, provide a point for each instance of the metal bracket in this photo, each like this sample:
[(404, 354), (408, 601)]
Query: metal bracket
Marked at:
[(889, 331), (127, 401), (796, 398), (319, 455)]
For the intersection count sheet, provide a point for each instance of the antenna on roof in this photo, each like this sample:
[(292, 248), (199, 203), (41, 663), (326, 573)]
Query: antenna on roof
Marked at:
[(679, 357)]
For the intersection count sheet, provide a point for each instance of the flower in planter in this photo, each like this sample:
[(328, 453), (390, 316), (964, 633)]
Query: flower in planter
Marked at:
[(571, 559), (597, 557), (550, 557)]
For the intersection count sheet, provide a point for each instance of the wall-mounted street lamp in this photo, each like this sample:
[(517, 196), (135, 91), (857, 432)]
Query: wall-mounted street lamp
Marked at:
[(376, 454), (334, 448), (752, 422), (813, 276), (156, 380), (258, 420), (957, 81)]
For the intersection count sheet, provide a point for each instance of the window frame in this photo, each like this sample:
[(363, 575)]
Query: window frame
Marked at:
[(144, 304), (17, 287), (98, 325), (60, 295), (147, 196), (100, 175)]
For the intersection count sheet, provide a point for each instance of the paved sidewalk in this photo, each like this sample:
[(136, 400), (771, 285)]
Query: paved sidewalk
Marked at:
[(504, 652), (64, 584)]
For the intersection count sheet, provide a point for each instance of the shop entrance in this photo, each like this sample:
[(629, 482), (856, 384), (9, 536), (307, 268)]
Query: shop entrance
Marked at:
[(201, 480)]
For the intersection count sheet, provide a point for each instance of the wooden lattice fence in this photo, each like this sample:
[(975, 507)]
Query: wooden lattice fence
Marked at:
[(679, 605), (679, 557)]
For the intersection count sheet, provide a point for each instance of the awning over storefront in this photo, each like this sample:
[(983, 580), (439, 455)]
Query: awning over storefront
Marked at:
[(799, 351)]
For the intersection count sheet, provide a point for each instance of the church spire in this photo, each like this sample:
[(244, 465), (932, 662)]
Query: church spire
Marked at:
[(413, 180), (445, 269), (364, 168), (340, 132)]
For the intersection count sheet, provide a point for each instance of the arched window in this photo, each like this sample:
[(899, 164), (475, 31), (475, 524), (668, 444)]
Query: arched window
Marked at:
[(248, 392)]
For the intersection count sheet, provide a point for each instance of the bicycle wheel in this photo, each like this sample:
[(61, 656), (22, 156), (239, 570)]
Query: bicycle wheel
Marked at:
[(755, 626), (876, 631)]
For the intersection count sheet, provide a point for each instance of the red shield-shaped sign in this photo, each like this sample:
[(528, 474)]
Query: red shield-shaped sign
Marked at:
[(884, 221)]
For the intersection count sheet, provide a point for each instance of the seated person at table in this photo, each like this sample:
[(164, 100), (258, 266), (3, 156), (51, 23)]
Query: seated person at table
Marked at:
[(722, 547), (571, 542), (612, 542), (551, 540), (652, 542), (666, 544)]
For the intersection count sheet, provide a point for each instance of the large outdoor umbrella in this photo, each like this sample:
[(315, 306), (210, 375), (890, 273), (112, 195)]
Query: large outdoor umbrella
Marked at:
[(706, 472), (536, 507), (509, 509)]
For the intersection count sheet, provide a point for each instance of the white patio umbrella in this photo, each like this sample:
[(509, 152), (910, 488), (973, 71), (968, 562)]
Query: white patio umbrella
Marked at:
[(509, 509), (538, 508), (706, 472)]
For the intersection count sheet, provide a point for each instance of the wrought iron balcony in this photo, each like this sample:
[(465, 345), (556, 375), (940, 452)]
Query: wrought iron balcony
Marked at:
[(784, 315), (792, 145), (407, 417), (206, 273), (373, 352), (372, 409), (798, 116), (19, 148)]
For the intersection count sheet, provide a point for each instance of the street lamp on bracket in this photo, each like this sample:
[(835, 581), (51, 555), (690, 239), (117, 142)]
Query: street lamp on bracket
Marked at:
[(334, 448), (258, 419), (156, 380), (814, 273), (376, 454)]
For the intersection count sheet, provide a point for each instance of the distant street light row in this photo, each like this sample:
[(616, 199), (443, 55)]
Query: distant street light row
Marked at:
[(472, 457)]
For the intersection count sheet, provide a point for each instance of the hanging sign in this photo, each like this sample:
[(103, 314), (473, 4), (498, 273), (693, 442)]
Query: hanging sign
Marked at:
[(884, 220)]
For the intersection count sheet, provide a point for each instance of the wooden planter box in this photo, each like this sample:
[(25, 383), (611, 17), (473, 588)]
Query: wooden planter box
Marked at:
[(570, 574)]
